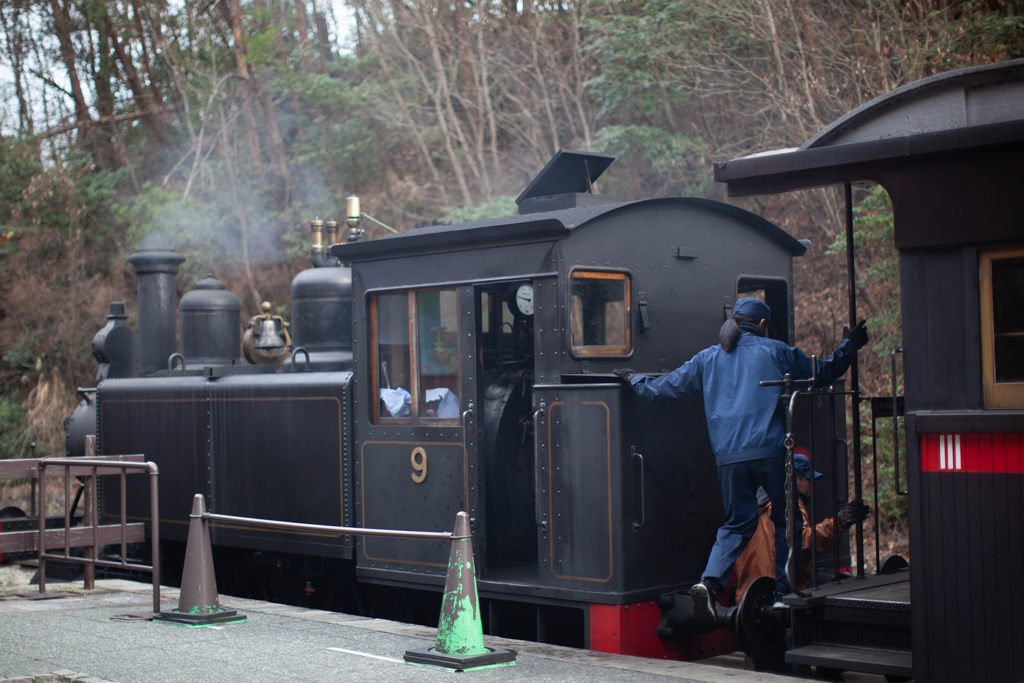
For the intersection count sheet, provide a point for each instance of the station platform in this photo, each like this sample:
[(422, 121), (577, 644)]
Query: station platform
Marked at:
[(92, 637)]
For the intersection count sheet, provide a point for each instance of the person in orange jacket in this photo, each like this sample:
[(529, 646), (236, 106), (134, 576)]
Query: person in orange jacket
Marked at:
[(758, 558)]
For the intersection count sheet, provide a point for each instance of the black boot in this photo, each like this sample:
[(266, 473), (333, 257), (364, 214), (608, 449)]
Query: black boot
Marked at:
[(703, 596)]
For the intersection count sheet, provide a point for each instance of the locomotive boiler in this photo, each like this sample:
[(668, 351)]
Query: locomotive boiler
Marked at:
[(459, 367)]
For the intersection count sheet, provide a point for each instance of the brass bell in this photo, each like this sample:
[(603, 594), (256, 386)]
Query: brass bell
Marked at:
[(268, 336)]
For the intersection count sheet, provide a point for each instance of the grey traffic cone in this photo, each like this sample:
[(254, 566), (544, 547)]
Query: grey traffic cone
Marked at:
[(198, 603), (460, 634)]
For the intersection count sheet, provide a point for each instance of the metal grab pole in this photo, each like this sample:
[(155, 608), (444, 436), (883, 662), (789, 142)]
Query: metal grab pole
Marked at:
[(851, 283), (895, 426), (795, 544), (790, 393)]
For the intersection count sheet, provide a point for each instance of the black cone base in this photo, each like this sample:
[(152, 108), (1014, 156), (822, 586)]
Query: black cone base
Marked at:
[(495, 656), (185, 619)]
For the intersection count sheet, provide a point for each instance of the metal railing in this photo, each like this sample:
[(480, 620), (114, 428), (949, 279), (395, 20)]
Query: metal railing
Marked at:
[(886, 408), (322, 528), (883, 407), (92, 534)]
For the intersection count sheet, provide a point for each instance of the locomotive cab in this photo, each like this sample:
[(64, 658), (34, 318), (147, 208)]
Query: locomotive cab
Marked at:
[(486, 385)]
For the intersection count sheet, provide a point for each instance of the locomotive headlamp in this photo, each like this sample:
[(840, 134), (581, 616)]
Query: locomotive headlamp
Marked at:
[(353, 219), (266, 338)]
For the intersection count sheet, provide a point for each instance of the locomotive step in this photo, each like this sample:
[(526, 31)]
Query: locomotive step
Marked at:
[(845, 658), (856, 625)]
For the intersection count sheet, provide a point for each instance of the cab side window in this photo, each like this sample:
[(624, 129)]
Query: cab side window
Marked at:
[(599, 313), (437, 323), (415, 355)]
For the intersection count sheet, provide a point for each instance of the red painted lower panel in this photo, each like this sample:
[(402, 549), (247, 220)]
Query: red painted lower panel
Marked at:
[(633, 630), (989, 452)]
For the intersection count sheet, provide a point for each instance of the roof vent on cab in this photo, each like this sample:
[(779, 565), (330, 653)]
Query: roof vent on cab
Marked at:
[(566, 182)]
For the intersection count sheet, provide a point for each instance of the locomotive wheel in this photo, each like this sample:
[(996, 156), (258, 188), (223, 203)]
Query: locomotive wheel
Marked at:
[(758, 629)]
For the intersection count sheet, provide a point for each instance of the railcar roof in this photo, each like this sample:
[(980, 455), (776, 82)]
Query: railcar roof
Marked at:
[(946, 148), (980, 106), (535, 227)]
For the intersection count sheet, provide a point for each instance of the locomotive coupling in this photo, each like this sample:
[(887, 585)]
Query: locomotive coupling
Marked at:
[(757, 626)]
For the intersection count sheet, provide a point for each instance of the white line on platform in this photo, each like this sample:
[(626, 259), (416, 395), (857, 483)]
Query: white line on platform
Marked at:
[(366, 654)]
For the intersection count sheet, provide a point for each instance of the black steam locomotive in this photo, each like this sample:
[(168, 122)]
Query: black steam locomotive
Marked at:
[(458, 367), (467, 367)]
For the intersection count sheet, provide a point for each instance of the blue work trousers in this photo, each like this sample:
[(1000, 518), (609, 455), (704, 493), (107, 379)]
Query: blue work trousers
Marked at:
[(739, 482)]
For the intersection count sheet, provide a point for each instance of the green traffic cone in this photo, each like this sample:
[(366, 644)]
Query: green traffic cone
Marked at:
[(460, 633)]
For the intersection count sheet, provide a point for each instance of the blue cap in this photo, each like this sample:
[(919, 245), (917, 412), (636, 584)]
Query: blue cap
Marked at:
[(755, 308), (752, 307), (803, 465)]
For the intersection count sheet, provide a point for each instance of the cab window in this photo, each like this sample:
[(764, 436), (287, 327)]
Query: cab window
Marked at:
[(775, 293), (416, 355), (1002, 327), (599, 313)]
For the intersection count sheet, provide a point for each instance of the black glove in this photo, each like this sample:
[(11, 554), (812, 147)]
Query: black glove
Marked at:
[(852, 513), (625, 374), (858, 335)]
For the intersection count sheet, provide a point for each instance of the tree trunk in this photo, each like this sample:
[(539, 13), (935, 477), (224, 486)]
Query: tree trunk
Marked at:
[(303, 26), (62, 27), (276, 142), (106, 144), (154, 30), (143, 101), (322, 38), (16, 47), (233, 10)]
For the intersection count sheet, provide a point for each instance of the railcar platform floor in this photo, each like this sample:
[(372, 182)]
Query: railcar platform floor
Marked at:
[(881, 591)]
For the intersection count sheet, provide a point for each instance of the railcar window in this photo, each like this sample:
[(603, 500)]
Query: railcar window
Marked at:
[(437, 323), (1002, 322), (600, 306)]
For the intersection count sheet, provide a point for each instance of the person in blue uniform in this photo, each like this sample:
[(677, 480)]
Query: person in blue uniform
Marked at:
[(747, 427)]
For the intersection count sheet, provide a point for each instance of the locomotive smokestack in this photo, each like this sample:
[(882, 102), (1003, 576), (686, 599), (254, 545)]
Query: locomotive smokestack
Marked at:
[(156, 269)]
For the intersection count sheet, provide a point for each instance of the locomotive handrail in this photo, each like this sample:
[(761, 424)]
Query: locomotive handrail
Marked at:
[(170, 361), (538, 503), (295, 352), (633, 453), (465, 428)]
